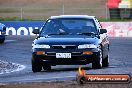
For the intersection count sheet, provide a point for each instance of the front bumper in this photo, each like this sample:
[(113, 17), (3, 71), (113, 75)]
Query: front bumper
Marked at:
[(2, 37), (77, 56)]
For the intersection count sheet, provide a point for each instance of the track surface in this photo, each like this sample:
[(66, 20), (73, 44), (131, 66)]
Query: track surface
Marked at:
[(17, 49)]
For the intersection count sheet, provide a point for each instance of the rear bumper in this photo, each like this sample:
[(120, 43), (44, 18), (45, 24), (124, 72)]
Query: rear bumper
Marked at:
[(77, 57)]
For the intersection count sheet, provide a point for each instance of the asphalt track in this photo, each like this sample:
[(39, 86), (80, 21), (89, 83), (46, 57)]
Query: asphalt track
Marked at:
[(17, 49)]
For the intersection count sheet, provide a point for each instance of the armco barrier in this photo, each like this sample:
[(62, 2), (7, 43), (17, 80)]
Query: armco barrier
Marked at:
[(115, 29)]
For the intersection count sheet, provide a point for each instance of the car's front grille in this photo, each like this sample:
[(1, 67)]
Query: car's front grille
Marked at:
[(72, 53), (64, 46)]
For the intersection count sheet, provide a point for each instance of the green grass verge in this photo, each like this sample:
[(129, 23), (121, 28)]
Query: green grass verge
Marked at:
[(29, 19), (18, 19)]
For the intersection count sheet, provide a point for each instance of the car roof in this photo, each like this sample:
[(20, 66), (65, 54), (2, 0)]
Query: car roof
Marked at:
[(72, 16)]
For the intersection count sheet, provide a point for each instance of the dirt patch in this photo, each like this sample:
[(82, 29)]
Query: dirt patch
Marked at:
[(65, 84)]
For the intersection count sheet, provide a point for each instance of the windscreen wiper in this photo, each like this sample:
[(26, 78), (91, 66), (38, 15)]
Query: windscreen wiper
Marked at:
[(59, 34), (52, 34), (87, 33)]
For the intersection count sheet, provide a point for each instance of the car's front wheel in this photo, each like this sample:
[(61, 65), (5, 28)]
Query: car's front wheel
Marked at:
[(47, 67), (97, 62), (36, 66), (2, 41)]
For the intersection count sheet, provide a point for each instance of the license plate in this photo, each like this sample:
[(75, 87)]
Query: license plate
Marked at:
[(63, 55)]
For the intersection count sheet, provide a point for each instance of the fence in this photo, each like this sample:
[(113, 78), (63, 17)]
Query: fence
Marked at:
[(120, 13), (44, 13)]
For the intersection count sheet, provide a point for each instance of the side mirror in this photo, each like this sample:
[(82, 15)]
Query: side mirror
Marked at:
[(4, 28), (35, 31), (103, 31)]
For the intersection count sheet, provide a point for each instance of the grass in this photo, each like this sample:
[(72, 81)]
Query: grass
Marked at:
[(16, 19), (34, 10), (28, 19), (18, 10), (10, 10)]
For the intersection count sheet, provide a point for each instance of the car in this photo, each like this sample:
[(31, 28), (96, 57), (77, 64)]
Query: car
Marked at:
[(70, 40), (2, 32)]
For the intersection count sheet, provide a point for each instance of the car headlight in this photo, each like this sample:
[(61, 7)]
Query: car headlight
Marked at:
[(87, 46), (41, 46)]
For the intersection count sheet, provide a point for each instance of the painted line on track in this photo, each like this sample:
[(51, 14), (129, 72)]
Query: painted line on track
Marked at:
[(45, 79), (9, 41)]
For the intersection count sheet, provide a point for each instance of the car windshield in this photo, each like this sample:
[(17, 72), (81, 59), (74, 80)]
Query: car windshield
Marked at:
[(69, 26)]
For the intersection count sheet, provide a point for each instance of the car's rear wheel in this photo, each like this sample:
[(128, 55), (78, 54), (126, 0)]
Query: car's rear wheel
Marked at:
[(105, 62), (36, 66), (97, 63)]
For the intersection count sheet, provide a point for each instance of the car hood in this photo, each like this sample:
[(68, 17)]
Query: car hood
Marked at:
[(66, 40)]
